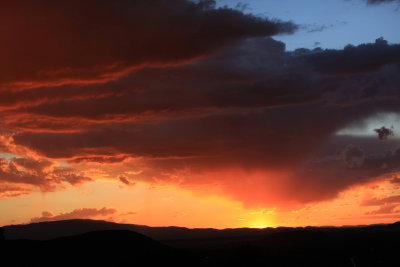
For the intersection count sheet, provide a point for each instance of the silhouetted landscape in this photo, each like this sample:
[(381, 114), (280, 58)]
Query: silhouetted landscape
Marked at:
[(100, 243)]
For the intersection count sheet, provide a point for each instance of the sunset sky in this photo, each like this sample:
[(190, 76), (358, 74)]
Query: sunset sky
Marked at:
[(257, 113)]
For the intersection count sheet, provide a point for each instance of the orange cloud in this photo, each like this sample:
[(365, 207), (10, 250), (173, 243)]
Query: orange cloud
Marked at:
[(125, 180), (8, 191), (40, 173)]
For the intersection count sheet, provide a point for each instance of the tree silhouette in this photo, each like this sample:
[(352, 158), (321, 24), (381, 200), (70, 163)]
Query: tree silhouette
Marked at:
[(384, 133)]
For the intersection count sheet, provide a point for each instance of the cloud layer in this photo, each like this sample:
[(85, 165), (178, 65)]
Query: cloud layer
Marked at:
[(192, 95), (39, 173), (85, 42)]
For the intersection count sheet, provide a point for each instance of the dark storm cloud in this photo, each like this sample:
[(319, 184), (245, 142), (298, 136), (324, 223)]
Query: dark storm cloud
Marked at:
[(352, 59), (250, 74), (252, 105), (235, 132), (324, 178), (353, 156), (97, 39), (269, 140), (253, 73)]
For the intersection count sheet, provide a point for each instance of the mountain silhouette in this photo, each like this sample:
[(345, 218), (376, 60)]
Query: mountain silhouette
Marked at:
[(98, 248), (54, 229), (58, 244)]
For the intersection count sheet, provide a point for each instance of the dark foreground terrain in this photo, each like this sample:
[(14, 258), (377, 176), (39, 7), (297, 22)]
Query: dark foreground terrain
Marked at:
[(98, 243)]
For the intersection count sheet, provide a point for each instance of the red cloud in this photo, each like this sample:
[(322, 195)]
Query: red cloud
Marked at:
[(383, 201), (69, 42), (7, 191), (125, 180), (99, 159), (385, 209), (40, 173)]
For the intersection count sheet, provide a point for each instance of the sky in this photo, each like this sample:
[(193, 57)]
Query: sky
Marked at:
[(200, 114), (329, 23)]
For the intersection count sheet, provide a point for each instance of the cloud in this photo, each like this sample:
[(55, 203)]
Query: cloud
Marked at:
[(255, 73), (353, 156), (128, 213), (68, 175), (84, 213), (382, 201), (125, 180), (171, 32), (40, 173), (38, 165), (377, 2), (263, 74), (139, 97), (312, 28), (352, 59), (395, 180), (250, 110), (105, 159), (8, 191), (385, 209)]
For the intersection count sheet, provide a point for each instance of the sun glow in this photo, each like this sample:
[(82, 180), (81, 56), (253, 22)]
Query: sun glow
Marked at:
[(260, 225)]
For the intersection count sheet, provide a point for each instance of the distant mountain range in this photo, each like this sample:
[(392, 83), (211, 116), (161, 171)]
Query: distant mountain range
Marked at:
[(97, 248), (100, 243), (55, 229)]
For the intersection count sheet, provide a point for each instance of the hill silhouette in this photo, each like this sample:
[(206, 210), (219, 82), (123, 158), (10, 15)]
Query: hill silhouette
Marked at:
[(54, 229), (98, 248), (375, 245)]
